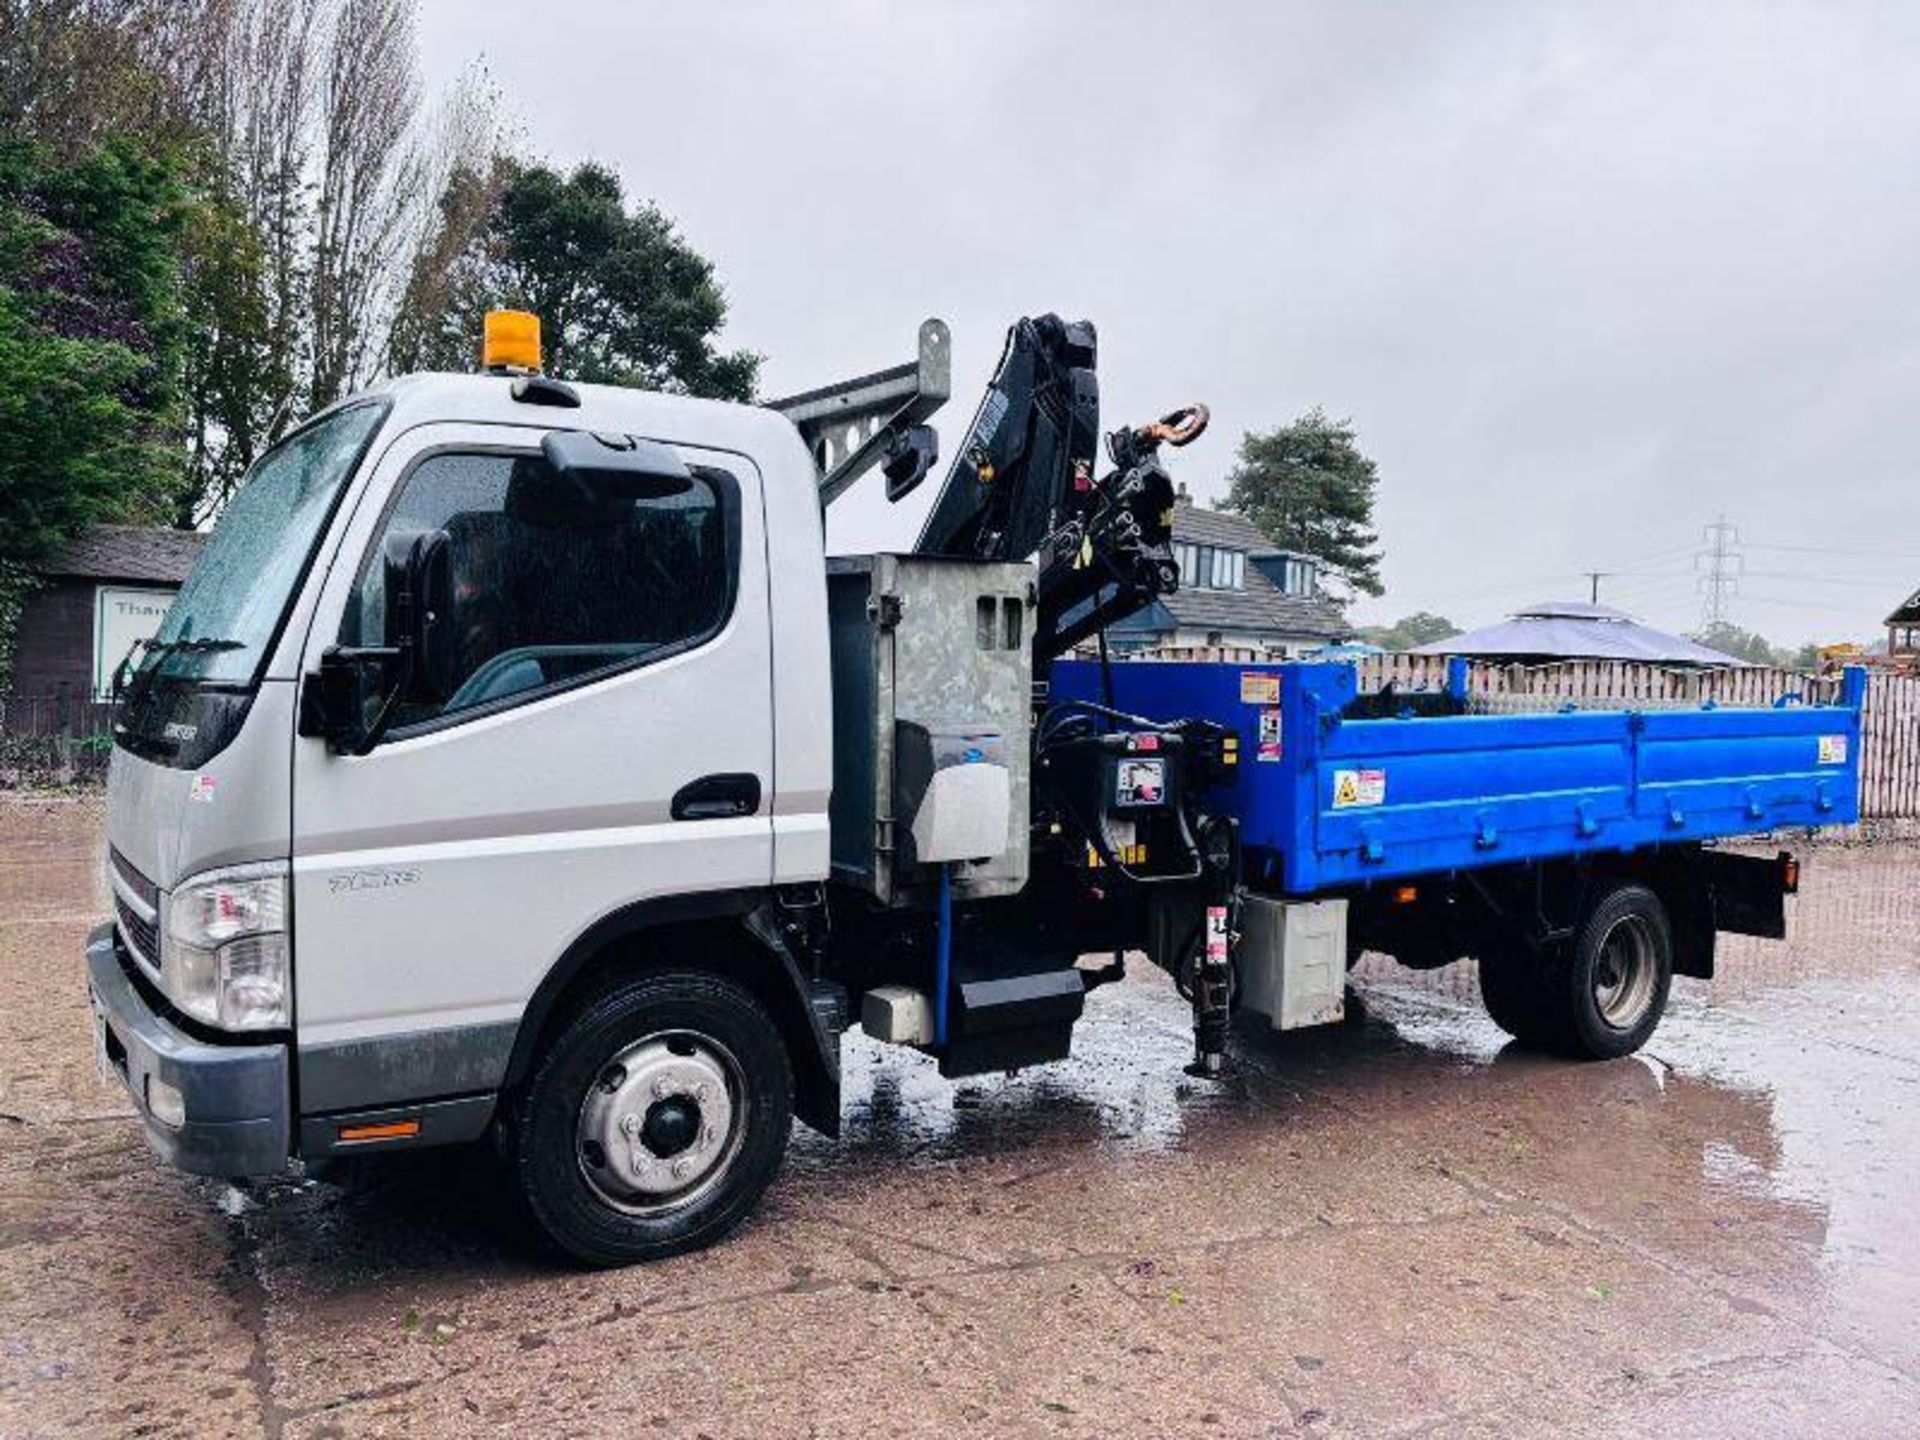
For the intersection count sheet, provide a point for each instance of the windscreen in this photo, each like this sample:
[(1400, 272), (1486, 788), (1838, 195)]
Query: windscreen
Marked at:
[(225, 616)]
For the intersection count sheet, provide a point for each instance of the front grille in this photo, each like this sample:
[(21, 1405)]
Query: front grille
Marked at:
[(138, 883), (141, 936)]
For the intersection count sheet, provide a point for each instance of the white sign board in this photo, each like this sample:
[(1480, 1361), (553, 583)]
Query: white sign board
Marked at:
[(120, 617)]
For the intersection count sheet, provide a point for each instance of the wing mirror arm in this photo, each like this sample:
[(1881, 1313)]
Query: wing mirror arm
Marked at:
[(333, 699)]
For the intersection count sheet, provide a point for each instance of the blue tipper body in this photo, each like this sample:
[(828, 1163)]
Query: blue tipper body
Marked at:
[(1328, 801)]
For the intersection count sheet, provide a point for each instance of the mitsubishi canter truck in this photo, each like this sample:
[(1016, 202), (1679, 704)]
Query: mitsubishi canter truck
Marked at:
[(516, 765)]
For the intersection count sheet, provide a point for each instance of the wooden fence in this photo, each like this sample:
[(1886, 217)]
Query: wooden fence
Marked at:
[(53, 740), (1890, 724), (47, 717)]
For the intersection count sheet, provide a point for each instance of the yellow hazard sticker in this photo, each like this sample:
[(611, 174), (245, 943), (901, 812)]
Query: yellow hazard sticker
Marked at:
[(1833, 749), (1259, 688), (1356, 789)]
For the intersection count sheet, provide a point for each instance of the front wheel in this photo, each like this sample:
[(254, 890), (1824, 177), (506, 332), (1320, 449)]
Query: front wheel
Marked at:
[(1598, 996), (654, 1122)]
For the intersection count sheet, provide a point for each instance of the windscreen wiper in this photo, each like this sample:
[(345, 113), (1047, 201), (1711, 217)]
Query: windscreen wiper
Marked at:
[(198, 645), (127, 686)]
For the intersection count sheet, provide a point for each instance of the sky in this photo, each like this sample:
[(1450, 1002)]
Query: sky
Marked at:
[(1585, 277)]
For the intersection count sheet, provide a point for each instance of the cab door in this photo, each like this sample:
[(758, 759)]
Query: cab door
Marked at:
[(605, 739)]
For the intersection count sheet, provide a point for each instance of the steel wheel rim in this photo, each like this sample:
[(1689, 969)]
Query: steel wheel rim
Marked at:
[(633, 1142), (1623, 972)]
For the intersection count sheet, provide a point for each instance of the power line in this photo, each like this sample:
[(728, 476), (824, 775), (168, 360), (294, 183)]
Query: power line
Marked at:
[(1806, 579), (1908, 556), (1627, 567), (1658, 592)]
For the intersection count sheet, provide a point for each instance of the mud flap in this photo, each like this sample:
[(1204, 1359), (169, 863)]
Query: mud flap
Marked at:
[(1748, 893)]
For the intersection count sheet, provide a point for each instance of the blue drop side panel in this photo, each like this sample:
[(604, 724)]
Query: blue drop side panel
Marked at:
[(1455, 792)]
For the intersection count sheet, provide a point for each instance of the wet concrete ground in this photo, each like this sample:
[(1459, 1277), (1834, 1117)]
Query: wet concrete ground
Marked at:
[(1393, 1227)]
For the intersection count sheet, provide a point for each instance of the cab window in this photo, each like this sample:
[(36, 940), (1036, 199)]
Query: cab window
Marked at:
[(553, 586)]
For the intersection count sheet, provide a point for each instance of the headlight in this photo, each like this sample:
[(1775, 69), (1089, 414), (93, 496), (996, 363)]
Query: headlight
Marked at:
[(223, 951)]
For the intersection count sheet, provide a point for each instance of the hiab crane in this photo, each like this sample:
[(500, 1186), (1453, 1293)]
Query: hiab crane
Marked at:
[(1110, 819), (517, 765)]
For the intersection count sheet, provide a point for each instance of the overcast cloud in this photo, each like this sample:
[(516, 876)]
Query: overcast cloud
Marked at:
[(1584, 276)]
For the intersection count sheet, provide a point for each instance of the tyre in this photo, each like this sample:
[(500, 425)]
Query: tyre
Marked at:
[(1511, 989), (1599, 995), (654, 1121)]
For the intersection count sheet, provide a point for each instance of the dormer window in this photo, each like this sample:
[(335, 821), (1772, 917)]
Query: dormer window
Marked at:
[(1210, 567)]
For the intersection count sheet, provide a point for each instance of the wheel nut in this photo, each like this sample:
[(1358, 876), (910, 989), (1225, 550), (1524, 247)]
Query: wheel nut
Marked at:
[(659, 1089), (680, 1169), (630, 1125), (708, 1136), (700, 1092)]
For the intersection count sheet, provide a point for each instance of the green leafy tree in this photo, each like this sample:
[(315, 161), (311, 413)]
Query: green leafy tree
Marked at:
[(1309, 488), (1748, 645), (1410, 631), (91, 344), (238, 380), (622, 298)]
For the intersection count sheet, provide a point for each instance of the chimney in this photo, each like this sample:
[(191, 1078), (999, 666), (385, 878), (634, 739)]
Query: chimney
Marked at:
[(1180, 495)]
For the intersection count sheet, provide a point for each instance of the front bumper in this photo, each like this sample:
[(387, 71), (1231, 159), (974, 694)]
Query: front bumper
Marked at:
[(236, 1098)]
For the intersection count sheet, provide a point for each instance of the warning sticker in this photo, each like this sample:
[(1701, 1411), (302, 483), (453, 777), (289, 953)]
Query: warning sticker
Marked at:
[(1259, 688), (1138, 784), (1353, 789), (1833, 749), (1217, 934), (1269, 735)]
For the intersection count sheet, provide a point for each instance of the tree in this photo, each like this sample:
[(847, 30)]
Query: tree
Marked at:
[(77, 73), (370, 174), (621, 297), (1748, 645), (1410, 631), (91, 348), (1309, 488), (91, 342), (251, 91), (308, 156)]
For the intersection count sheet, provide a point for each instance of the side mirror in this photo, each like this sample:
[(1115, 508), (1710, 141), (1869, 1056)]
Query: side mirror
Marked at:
[(350, 700), (420, 612)]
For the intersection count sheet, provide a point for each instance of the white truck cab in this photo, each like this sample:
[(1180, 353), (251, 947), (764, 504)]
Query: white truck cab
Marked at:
[(633, 731)]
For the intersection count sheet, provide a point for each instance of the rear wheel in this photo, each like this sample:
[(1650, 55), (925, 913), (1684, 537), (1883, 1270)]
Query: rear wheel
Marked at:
[(1599, 995), (654, 1122)]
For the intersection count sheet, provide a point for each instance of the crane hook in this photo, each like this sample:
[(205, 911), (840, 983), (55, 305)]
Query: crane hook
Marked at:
[(1178, 427)]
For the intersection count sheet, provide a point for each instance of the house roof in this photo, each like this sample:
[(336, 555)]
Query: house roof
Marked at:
[(1259, 608), (1572, 630), (130, 552), (1908, 613), (1217, 527)]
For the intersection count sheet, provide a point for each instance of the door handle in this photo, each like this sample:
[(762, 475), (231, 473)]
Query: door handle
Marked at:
[(717, 797)]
